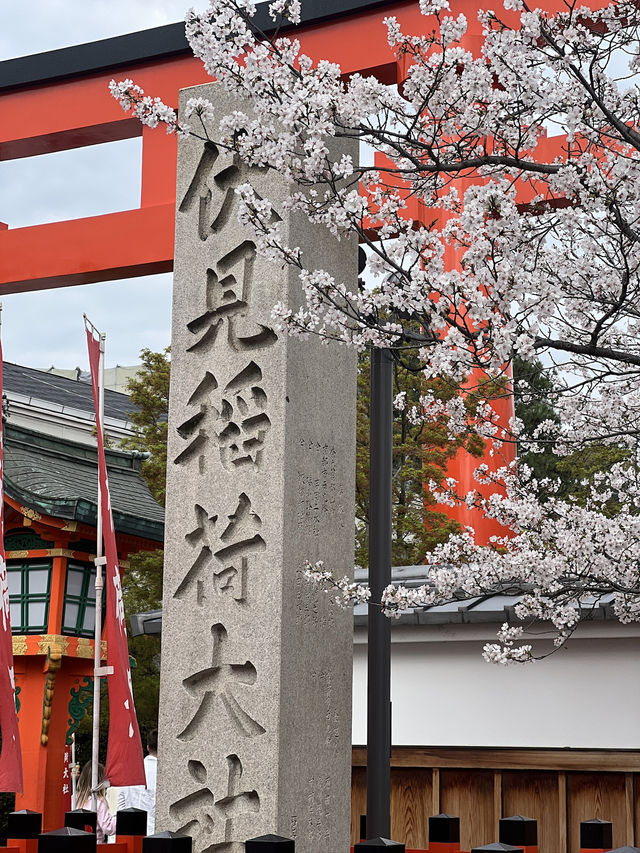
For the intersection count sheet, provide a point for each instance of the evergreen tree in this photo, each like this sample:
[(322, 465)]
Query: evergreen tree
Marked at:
[(149, 390), (142, 580), (533, 394), (420, 454)]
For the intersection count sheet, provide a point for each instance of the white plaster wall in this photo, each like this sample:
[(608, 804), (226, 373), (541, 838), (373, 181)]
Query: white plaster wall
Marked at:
[(444, 694)]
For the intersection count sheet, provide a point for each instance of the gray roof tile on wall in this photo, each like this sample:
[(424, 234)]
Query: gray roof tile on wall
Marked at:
[(495, 608), (62, 391)]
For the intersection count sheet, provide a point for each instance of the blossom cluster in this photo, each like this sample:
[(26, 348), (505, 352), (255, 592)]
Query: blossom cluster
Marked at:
[(561, 561), (347, 592), (149, 111), (501, 218)]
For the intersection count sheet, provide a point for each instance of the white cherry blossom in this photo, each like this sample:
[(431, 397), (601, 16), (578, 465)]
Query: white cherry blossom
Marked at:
[(538, 256)]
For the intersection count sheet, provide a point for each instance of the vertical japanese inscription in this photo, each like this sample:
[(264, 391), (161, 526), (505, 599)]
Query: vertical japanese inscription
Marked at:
[(225, 424), (215, 683), (249, 676), (221, 559), (232, 417), (320, 495), (209, 816)]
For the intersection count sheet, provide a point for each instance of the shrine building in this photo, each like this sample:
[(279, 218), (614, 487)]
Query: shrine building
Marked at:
[(50, 478)]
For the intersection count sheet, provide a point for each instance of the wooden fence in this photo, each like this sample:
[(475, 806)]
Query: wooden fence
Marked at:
[(558, 788)]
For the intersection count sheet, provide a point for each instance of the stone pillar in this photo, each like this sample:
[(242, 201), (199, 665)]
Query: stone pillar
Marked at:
[(255, 704)]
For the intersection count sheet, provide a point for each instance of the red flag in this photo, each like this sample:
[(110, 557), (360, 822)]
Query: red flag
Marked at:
[(125, 763), (11, 756)]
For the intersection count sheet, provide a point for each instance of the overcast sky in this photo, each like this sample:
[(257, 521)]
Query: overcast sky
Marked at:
[(45, 328)]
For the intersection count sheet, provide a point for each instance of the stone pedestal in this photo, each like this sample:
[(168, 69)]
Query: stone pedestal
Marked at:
[(255, 707)]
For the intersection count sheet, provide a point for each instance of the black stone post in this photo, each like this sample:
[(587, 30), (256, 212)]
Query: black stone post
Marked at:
[(444, 829), (24, 824), (519, 830), (270, 844), (596, 835), (497, 846), (379, 844), (167, 842), (67, 840), (379, 626), (81, 819), (131, 822), (363, 827)]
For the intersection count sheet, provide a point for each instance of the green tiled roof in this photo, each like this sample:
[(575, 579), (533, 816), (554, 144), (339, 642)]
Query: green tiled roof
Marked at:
[(58, 477)]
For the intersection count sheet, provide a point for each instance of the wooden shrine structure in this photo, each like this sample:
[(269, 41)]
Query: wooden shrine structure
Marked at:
[(50, 511)]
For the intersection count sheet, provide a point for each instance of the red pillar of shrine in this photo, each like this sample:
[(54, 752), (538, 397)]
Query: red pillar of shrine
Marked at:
[(461, 467), (51, 585)]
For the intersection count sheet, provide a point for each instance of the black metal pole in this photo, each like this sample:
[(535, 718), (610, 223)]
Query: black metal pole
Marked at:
[(379, 626)]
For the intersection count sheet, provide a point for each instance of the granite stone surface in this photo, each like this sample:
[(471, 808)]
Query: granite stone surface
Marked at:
[(255, 706)]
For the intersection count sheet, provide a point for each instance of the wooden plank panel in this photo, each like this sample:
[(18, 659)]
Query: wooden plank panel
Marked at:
[(629, 809), (558, 800), (469, 794), (562, 812), (535, 794), (590, 760), (497, 802), (435, 791), (596, 795), (358, 800), (636, 800), (411, 798)]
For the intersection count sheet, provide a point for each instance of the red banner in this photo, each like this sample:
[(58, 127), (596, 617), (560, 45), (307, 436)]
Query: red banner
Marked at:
[(11, 756), (125, 763)]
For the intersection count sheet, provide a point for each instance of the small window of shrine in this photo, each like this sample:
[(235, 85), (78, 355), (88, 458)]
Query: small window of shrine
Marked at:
[(29, 590), (80, 600)]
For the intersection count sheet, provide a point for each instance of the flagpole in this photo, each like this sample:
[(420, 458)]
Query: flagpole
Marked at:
[(125, 762), (99, 562)]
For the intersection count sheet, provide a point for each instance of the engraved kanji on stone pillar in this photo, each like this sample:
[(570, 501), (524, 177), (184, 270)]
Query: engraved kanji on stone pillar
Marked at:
[(255, 708)]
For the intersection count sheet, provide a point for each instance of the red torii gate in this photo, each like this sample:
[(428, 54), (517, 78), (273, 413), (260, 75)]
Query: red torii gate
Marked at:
[(60, 100)]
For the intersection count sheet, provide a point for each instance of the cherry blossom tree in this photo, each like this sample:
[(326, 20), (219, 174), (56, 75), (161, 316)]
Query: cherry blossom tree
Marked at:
[(522, 162)]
